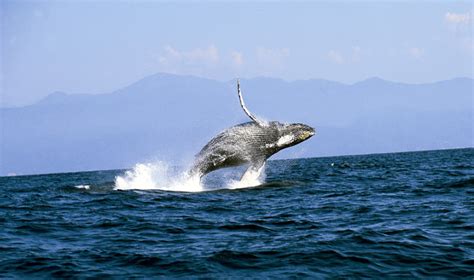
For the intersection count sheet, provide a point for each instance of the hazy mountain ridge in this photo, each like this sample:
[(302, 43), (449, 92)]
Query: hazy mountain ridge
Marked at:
[(170, 117)]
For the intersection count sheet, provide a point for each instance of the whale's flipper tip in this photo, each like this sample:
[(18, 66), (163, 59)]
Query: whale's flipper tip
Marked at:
[(242, 104)]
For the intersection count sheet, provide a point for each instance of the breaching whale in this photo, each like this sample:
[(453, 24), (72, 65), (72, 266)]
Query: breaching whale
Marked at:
[(248, 143)]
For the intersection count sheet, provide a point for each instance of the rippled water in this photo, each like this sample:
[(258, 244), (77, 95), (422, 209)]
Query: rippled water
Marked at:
[(407, 214)]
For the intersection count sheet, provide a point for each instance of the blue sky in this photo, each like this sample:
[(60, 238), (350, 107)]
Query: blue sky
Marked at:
[(97, 47)]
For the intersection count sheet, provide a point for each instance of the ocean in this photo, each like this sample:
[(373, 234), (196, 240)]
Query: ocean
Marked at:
[(369, 216)]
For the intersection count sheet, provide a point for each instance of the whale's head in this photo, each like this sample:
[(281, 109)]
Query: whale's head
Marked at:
[(292, 134)]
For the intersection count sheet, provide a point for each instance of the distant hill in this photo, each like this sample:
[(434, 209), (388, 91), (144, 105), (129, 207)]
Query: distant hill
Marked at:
[(170, 117)]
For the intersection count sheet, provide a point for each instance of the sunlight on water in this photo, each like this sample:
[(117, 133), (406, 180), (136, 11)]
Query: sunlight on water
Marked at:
[(159, 176)]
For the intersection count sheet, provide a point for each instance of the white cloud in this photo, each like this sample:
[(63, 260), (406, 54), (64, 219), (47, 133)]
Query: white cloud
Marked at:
[(335, 57), (461, 25), (457, 18), (237, 58), (270, 61), (212, 62), (356, 53), (207, 56), (198, 61), (207, 61), (416, 52)]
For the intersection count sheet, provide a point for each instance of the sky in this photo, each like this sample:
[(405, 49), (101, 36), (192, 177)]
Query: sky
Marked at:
[(100, 46)]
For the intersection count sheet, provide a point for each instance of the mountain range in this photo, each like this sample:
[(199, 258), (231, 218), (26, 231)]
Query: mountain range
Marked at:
[(170, 117)]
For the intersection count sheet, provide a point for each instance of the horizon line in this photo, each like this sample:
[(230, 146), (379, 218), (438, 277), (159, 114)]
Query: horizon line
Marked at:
[(280, 159)]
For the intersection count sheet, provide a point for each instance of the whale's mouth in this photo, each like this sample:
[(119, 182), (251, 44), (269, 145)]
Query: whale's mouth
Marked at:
[(306, 134)]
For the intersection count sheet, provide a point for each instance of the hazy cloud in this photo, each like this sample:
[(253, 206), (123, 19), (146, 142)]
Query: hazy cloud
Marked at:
[(272, 57), (416, 52), (457, 18), (352, 56), (356, 54), (460, 24), (335, 56), (206, 56), (237, 58), (198, 61), (208, 61)]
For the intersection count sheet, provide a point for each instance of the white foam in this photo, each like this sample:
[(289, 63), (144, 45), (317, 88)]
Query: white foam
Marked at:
[(86, 187), (251, 178), (159, 176)]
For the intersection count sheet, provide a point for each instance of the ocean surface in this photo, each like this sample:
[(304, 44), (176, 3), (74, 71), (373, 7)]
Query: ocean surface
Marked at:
[(378, 216)]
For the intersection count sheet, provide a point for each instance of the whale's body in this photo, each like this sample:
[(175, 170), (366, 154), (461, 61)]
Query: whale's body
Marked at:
[(249, 143)]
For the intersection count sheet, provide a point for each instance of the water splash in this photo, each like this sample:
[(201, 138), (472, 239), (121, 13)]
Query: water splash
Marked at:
[(159, 176), (85, 187), (251, 178)]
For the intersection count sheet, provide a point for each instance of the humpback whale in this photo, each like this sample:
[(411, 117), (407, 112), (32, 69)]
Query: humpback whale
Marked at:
[(249, 143)]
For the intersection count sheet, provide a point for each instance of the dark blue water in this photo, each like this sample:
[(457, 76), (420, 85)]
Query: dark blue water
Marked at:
[(393, 215)]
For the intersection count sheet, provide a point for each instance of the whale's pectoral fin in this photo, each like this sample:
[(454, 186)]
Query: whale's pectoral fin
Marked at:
[(242, 104), (254, 170)]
